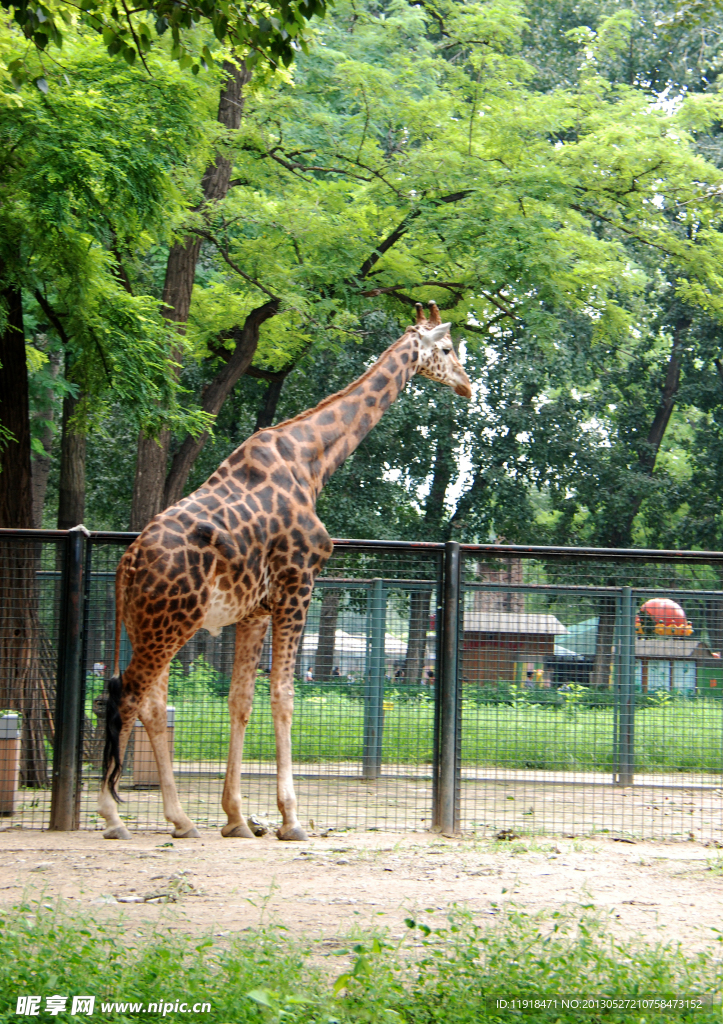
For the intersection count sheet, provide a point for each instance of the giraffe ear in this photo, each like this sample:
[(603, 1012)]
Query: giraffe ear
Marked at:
[(437, 333)]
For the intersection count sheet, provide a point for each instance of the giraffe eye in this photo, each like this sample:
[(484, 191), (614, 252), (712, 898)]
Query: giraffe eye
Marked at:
[(447, 351)]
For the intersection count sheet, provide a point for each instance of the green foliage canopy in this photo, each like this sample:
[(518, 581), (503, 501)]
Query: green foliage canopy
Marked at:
[(98, 167), (414, 155), (270, 31)]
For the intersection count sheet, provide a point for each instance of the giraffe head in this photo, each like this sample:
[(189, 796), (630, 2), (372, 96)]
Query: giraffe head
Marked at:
[(437, 358)]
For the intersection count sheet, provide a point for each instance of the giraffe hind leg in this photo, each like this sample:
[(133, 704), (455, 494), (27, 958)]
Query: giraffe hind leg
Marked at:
[(153, 716), (108, 798), (287, 630)]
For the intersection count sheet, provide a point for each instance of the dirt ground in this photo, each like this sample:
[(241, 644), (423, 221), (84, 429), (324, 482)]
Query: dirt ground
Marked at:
[(660, 892)]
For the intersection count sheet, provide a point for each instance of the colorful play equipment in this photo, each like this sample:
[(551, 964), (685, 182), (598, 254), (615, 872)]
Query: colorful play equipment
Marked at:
[(662, 617)]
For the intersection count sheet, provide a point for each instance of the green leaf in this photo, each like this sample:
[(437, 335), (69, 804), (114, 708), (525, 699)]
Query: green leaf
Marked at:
[(341, 983), (264, 997)]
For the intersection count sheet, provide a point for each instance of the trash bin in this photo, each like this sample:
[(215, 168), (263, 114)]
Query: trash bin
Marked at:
[(9, 762), (145, 772)]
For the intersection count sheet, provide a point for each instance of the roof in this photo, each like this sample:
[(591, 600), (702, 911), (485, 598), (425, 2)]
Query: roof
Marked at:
[(354, 645), (581, 638), (511, 622), (670, 647)]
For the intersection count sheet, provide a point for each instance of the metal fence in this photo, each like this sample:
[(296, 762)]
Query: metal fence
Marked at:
[(363, 722), (591, 686), (500, 690)]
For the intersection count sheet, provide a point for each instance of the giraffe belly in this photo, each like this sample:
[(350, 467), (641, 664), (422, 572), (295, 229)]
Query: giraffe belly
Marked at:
[(222, 610), (224, 607)]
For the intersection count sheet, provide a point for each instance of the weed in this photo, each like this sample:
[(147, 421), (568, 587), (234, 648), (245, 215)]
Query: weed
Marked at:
[(715, 865), (450, 972)]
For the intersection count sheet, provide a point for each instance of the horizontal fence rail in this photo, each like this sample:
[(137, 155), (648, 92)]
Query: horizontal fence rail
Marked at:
[(495, 689)]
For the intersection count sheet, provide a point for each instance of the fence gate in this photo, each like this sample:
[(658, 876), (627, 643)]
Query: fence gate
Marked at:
[(590, 692), (363, 732)]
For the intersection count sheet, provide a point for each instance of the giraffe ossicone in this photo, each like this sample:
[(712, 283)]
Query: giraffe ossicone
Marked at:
[(246, 548)]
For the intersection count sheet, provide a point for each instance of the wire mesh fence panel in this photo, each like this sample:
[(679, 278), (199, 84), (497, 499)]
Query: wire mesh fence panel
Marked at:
[(590, 696), (589, 688), (362, 733), (197, 714), (30, 591)]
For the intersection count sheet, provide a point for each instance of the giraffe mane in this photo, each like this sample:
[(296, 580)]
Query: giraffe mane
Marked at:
[(433, 320), (344, 391)]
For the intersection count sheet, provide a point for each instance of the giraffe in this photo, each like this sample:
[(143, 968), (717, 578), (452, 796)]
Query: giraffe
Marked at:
[(245, 548)]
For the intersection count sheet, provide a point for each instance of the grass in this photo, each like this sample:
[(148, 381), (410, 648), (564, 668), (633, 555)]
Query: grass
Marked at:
[(681, 735), (448, 970)]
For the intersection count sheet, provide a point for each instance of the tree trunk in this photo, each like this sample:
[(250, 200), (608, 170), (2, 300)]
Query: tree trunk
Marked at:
[(267, 412), (27, 665), (621, 532), (434, 516), (215, 394), (16, 503), (417, 642), (71, 498), (149, 485), (468, 502), (150, 478), (40, 464), (444, 468), (328, 617), (27, 669), (600, 677)]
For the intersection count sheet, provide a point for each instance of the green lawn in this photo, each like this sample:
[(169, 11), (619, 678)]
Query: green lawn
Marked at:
[(684, 735)]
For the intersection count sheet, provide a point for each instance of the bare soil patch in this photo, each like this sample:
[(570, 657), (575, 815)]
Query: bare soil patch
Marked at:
[(661, 892)]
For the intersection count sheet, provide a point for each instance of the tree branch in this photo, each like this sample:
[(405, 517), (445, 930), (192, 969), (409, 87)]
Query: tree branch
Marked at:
[(135, 39), (433, 14), (216, 393), (52, 316), (234, 266), (620, 227), (401, 229)]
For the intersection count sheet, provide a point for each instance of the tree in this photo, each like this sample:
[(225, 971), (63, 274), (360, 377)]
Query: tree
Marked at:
[(270, 33), (151, 494), (82, 173), (565, 224), (527, 214), (85, 173)]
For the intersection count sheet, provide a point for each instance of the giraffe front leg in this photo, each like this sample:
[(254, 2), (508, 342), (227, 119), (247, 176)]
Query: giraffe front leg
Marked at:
[(249, 641), (287, 634), (153, 716)]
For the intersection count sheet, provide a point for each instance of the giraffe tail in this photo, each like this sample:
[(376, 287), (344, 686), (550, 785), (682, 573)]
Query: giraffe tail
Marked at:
[(112, 764), (111, 751)]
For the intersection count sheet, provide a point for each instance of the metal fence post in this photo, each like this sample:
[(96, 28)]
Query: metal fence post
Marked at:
[(446, 814), (69, 695), (625, 767), (374, 689)]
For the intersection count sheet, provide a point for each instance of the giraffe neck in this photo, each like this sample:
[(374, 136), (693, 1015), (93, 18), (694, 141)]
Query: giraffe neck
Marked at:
[(326, 435)]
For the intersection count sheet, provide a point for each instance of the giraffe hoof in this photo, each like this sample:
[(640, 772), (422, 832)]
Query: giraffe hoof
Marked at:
[(192, 833), (237, 832), (119, 832), (294, 835)]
